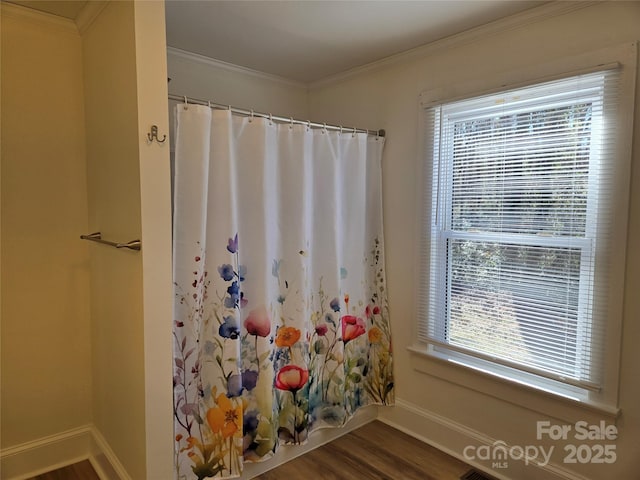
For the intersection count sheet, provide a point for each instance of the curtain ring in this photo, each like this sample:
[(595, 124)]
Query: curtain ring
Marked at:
[(290, 123), (340, 129), (354, 132), (186, 104), (324, 128), (209, 103), (270, 119), (308, 125), (251, 119)]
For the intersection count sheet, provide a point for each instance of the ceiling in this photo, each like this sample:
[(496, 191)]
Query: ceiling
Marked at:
[(308, 40), (62, 8)]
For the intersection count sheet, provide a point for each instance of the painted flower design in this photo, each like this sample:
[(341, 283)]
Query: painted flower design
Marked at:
[(352, 327), (225, 417), (232, 245), (291, 378), (226, 272), (287, 336), (229, 328), (375, 335), (249, 379), (335, 305), (258, 322), (322, 329)]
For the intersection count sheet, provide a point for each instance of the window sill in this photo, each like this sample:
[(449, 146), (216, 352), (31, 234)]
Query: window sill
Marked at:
[(522, 394)]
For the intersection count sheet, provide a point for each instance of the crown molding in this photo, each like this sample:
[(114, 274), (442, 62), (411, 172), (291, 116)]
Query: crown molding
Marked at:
[(89, 13), (18, 12), (518, 20), (230, 67)]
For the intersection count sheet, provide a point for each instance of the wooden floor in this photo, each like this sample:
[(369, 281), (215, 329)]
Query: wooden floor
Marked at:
[(372, 452), (77, 471)]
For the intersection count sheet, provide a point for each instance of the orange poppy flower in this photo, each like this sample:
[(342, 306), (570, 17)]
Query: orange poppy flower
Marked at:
[(225, 417), (287, 336)]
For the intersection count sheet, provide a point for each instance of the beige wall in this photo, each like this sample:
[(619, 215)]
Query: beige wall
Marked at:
[(155, 196), (113, 179), (202, 78), (46, 368), (387, 97)]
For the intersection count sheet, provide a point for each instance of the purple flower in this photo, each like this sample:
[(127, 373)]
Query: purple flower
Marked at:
[(249, 379), (335, 305), (234, 386), (234, 295), (226, 272), (249, 422), (234, 289), (229, 329), (233, 244)]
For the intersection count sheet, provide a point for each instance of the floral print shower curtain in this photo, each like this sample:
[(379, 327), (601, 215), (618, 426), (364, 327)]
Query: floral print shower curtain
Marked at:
[(281, 324)]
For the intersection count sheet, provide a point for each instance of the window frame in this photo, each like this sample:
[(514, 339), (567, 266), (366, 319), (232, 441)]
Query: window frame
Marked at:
[(460, 365)]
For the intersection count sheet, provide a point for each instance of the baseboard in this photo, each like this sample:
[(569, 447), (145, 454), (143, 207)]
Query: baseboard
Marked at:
[(36, 457), (104, 461), (44, 454), (33, 458), (316, 439), (452, 438)]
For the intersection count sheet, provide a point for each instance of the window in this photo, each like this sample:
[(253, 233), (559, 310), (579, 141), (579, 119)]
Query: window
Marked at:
[(517, 231)]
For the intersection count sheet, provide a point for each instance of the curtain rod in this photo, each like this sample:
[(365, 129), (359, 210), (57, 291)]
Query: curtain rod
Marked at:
[(250, 113)]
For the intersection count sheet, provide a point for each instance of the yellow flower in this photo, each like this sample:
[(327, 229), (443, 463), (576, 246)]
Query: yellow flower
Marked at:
[(225, 417), (375, 335), (287, 336)]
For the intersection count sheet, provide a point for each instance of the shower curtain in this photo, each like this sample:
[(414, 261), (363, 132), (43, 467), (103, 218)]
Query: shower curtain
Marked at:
[(281, 320)]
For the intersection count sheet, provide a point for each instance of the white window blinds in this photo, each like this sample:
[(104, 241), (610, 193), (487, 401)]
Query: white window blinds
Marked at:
[(516, 239)]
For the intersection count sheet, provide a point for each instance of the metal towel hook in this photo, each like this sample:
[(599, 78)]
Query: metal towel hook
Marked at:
[(153, 135)]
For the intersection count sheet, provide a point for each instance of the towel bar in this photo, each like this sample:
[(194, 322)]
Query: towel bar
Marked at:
[(97, 237)]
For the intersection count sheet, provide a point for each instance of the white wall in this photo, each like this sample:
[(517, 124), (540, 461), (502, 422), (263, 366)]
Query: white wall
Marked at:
[(200, 77), (430, 405)]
